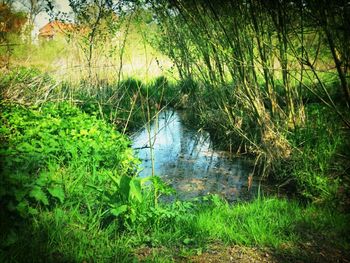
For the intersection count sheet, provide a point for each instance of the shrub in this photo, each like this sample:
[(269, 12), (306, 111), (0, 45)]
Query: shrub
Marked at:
[(57, 152)]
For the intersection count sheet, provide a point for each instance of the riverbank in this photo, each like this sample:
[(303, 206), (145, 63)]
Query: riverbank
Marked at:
[(222, 253), (69, 193), (67, 197)]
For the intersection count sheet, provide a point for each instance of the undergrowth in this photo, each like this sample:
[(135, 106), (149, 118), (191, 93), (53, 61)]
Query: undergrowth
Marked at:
[(69, 193), (69, 185)]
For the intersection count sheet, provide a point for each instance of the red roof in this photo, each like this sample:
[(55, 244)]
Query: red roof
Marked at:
[(53, 28)]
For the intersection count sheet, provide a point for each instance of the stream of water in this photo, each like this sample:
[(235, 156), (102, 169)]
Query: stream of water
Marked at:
[(185, 159)]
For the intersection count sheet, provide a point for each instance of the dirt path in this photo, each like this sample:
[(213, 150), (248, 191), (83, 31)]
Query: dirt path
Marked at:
[(220, 253)]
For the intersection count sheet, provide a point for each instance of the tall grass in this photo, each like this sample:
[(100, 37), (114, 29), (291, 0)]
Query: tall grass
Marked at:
[(250, 72), (70, 193), (121, 104), (258, 66)]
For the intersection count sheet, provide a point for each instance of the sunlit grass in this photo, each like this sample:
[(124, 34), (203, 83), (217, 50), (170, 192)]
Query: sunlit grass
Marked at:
[(267, 222), (281, 225), (70, 193)]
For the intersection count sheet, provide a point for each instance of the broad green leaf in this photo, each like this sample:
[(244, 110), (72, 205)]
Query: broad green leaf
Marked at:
[(125, 186), (119, 210), (32, 211), (187, 241), (116, 180), (25, 147), (57, 192), (135, 189), (38, 194), (42, 179)]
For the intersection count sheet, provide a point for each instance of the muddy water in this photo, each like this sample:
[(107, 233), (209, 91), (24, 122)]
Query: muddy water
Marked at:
[(185, 158)]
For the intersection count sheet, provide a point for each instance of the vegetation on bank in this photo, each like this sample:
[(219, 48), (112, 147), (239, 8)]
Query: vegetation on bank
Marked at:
[(265, 79), (69, 187), (271, 80)]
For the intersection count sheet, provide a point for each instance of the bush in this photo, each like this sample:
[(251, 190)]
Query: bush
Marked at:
[(67, 183), (317, 166), (56, 152)]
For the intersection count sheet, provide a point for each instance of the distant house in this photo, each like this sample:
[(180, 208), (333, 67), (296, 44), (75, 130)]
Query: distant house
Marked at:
[(54, 29)]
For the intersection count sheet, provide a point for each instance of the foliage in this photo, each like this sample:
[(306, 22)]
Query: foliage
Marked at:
[(43, 147), (268, 79), (64, 171), (255, 62), (69, 175), (250, 72), (183, 229), (11, 21), (319, 165), (124, 104), (269, 222)]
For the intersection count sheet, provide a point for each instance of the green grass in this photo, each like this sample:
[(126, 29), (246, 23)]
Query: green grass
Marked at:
[(123, 104), (268, 222), (319, 164), (69, 193), (68, 189), (279, 225)]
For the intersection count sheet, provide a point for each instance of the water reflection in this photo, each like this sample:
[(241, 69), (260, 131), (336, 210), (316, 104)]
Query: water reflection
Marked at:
[(186, 160)]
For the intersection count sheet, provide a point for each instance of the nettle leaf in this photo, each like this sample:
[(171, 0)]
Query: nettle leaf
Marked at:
[(119, 210), (135, 189), (57, 192), (187, 241), (22, 208), (25, 147), (125, 186), (42, 179), (32, 211), (20, 194), (38, 194)]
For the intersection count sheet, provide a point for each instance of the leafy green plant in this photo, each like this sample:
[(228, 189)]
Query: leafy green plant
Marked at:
[(44, 148), (125, 197)]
